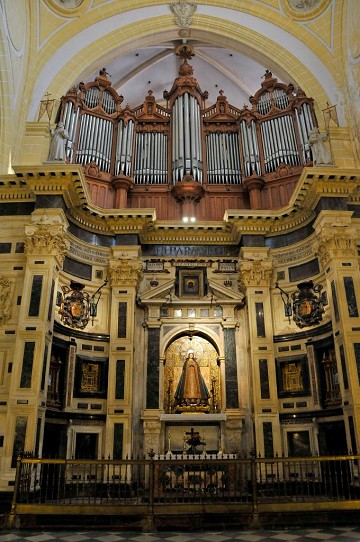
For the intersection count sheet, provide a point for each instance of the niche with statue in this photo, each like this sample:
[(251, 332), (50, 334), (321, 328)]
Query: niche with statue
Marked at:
[(191, 377)]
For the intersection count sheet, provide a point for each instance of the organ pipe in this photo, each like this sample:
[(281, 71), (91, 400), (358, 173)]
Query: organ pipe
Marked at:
[(236, 143)]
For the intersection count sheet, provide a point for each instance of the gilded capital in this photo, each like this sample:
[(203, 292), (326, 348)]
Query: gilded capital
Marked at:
[(46, 239), (255, 273), (125, 272), (335, 241)]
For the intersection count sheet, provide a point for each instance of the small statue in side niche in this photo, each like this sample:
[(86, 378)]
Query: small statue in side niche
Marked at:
[(59, 137), (320, 153)]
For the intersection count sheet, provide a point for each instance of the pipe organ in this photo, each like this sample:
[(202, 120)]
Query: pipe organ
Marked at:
[(154, 146)]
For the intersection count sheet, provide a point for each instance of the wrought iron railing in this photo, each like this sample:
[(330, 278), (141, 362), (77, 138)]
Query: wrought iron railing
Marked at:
[(156, 486)]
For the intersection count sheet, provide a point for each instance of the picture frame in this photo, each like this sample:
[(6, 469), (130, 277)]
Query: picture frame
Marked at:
[(191, 283)]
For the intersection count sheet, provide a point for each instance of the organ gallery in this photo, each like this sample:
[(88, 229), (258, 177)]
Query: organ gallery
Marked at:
[(180, 276)]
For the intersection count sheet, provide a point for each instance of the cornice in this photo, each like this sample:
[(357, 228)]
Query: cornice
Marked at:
[(199, 233), (69, 182), (66, 180), (314, 183), (110, 221)]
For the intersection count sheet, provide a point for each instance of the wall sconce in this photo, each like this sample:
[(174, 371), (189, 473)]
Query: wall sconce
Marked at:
[(306, 304), (78, 306)]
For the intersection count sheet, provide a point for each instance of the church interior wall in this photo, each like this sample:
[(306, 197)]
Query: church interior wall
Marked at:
[(212, 293)]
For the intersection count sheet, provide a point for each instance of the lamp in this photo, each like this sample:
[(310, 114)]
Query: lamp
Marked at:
[(78, 306), (93, 303), (307, 305), (286, 301)]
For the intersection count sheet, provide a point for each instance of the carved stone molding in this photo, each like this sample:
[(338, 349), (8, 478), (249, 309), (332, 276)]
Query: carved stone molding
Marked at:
[(47, 239), (183, 11), (125, 272), (152, 429), (335, 241), (232, 434), (255, 273), (5, 299)]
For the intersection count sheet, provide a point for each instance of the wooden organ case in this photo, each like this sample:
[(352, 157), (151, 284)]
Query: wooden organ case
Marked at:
[(211, 158)]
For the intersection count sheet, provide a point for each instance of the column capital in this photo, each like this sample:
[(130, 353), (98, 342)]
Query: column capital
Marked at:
[(45, 235), (255, 272), (125, 269), (335, 237)]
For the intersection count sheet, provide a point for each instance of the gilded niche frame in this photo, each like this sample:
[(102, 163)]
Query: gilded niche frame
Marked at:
[(90, 377), (292, 375)]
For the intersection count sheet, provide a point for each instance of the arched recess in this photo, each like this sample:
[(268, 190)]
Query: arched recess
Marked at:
[(205, 347)]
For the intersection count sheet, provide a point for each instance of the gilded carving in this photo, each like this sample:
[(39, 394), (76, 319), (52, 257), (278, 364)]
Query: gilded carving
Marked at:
[(255, 273), (335, 241), (47, 239), (5, 299), (125, 272)]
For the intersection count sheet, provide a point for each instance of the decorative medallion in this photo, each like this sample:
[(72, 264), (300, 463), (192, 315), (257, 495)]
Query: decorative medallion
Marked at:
[(305, 9), (183, 11), (308, 304), (68, 8)]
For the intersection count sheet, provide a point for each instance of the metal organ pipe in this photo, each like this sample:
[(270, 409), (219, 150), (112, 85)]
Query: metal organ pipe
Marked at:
[(120, 136), (181, 155), (150, 158), (129, 147), (245, 147), (288, 120), (256, 156), (198, 140), (186, 133), (71, 119)]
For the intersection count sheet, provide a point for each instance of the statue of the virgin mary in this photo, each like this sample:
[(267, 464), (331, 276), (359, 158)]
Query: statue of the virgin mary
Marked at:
[(191, 390)]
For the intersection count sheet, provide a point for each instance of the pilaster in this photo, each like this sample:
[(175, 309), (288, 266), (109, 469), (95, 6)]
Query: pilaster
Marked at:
[(45, 246), (336, 248), (255, 271), (125, 269)]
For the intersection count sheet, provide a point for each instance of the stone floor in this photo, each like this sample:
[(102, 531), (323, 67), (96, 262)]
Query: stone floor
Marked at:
[(335, 534)]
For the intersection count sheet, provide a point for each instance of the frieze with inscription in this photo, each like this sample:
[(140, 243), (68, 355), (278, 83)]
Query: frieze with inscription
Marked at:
[(293, 255), (88, 254), (181, 251)]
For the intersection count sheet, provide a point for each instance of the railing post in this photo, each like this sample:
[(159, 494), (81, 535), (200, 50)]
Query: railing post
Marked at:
[(255, 522), (149, 525), (12, 515)]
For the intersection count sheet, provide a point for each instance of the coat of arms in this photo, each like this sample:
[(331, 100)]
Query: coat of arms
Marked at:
[(308, 304), (74, 309)]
